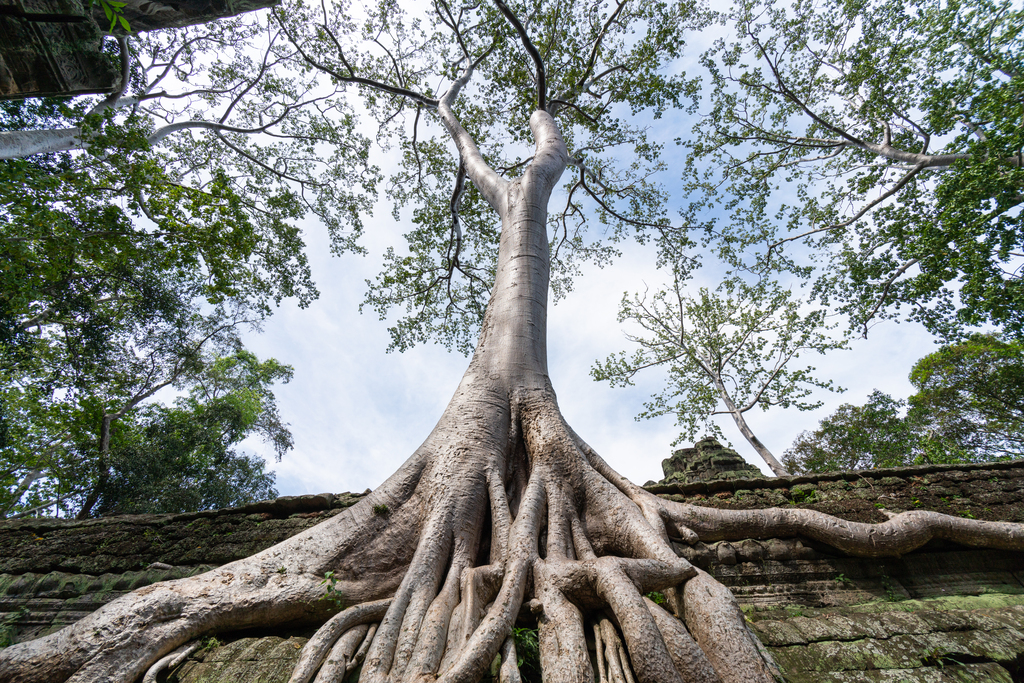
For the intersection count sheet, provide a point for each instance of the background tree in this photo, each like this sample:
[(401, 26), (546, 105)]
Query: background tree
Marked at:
[(733, 348), (96, 441), (876, 434), (503, 506), (971, 395), (128, 242), (181, 458), (875, 147), (969, 407)]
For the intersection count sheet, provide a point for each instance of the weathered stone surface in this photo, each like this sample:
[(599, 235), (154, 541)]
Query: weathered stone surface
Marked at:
[(707, 461), (905, 641), (39, 59), (53, 572), (952, 673), (246, 660), (131, 543)]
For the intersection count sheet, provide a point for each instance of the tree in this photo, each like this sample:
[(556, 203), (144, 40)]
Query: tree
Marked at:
[(968, 408), (98, 440), (876, 434), (126, 245), (971, 396), (875, 147), (503, 506), (180, 458), (732, 348)]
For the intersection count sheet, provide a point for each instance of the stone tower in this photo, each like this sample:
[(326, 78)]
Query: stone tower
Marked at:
[(707, 460)]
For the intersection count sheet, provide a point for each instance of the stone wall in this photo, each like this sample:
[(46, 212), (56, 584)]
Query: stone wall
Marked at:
[(942, 613), (55, 571)]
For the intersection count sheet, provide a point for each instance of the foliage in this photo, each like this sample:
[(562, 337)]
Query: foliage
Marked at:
[(971, 394), (527, 642), (600, 61), (176, 463), (129, 260), (156, 458), (331, 591), (856, 437), (656, 597), (734, 348), (181, 458), (114, 11), (969, 407), (873, 147)]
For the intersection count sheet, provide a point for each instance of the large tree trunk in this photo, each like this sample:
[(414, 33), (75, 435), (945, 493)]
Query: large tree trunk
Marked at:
[(502, 509)]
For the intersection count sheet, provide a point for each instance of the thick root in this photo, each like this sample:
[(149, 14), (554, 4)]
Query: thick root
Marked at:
[(717, 624), (690, 661), (899, 535), (509, 672), (611, 654), (563, 645), (317, 648), (337, 663)]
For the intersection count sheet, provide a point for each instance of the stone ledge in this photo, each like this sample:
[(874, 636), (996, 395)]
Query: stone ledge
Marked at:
[(284, 506), (948, 673), (850, 476)]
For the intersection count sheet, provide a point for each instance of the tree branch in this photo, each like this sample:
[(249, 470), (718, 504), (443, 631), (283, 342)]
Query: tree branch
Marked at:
[(352, 78), (885, 291), (895, 188), (538, 61), (491, 185)]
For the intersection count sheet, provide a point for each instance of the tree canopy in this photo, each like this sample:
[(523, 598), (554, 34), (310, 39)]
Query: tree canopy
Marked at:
[(101, 445), (969, 407), (134, 252), (873, 147), (176, 458)]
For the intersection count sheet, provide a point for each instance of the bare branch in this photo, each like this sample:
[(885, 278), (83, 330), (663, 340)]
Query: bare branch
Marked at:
[(885, 291), (358, 80), (857, 216)]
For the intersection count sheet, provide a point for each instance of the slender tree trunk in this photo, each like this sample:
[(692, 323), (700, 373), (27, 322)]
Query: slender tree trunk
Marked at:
[(102, 468), (748, 433), (23, 486)]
